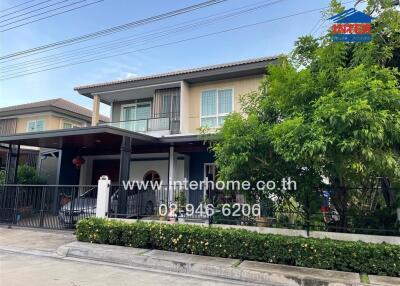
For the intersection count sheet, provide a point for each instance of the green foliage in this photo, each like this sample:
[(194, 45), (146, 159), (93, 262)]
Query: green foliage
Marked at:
[(330, 110), (2, 177), (237, 219), (27, 175), (358, 257), (180, 200)]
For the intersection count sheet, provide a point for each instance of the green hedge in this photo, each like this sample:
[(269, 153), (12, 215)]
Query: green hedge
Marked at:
[(381, 259)]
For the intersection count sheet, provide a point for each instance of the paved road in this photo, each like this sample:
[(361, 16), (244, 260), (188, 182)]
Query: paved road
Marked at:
[(18, 269)]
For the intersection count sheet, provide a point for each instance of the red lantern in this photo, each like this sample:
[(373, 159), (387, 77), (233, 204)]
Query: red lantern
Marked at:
[(78, 161)]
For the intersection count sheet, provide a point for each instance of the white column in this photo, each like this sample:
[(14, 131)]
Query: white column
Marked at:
[(96, 110), (103, 193), (184, 107)]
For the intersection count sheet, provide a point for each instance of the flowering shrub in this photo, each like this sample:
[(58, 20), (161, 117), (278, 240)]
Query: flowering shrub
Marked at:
[(382, 259)]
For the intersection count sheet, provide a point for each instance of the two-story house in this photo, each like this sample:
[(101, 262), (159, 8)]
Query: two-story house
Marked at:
[(41, 116), (154, 133)]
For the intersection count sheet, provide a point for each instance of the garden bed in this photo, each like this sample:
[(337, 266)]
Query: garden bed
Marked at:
[(360, 257)]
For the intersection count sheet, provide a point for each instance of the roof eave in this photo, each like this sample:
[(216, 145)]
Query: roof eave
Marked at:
[(246, 69)]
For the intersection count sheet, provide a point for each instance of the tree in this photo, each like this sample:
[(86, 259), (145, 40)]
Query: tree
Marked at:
[(330, 110)]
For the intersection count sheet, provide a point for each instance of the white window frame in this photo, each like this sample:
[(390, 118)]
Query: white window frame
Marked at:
[(69, 122), (64, 123), (217, 115), (35, 121)]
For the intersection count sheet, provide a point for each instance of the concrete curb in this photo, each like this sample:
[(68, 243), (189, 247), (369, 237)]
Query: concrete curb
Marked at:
[(383, 281), (247, 271)]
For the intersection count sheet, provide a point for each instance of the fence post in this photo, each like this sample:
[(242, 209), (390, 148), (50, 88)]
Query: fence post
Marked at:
[(103, 194), (42, 206), (308, 209), (15, 220), (138, 203)]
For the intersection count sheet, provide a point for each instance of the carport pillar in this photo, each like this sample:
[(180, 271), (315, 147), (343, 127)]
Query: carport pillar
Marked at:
[(12, 164), (172, 160), (124, 170), (96, 110)]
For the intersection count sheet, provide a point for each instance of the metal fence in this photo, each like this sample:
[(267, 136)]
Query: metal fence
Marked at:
[(164, 203), (60, 207), (46, 206), (174, 204)]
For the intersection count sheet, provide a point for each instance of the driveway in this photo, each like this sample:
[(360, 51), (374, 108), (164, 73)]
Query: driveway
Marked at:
[(34, 239), (27, 257), (18, 269)]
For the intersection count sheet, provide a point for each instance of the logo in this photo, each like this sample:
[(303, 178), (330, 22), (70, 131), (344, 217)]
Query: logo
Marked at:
[(351, 26)]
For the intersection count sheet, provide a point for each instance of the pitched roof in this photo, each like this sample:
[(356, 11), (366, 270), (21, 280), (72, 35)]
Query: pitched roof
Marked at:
[(57, 103), (180, 72)]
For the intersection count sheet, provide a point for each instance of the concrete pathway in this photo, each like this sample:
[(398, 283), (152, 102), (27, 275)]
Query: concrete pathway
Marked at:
[(18, 269)]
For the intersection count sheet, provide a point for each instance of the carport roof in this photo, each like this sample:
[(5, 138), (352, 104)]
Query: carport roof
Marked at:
[(87, 141)]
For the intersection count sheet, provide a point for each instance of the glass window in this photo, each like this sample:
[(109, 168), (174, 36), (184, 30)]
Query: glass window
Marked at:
[(151, 176), (135, 116), (35, 125), (215, 106), (224, 101), (67, 125), (209, 103)]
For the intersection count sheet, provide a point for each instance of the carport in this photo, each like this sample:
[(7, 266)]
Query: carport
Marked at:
[(97, 140)]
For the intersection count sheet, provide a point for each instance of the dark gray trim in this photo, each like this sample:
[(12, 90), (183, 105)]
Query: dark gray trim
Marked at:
[(12, 164), (154, 159), (181, 139), (124, 172), (79, 131)]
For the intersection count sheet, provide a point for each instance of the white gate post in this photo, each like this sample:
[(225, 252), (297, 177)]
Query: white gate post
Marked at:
[(103, 195)]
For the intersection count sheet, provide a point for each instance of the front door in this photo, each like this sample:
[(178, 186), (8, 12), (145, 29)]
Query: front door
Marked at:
[(109, 168)]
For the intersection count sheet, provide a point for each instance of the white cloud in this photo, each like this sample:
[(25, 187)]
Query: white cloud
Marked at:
[(128, 75)]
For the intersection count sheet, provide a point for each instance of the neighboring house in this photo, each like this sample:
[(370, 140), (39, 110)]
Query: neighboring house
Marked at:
[(41, 116), (155, 125)]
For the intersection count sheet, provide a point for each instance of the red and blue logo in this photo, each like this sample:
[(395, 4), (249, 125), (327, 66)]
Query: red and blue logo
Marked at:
[(351, 26)]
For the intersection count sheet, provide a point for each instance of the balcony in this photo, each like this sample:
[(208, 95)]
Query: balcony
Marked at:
[(148, 125)]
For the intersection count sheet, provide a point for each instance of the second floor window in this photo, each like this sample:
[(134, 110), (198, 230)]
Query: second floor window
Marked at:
[(135, 116), (35, 125), (216, 104), (67, 125)]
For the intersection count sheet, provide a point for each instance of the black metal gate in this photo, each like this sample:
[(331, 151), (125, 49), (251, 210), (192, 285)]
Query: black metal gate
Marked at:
[(154, 203), (46, 206)]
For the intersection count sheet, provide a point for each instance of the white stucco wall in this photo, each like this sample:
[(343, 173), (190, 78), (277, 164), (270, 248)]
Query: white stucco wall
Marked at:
[(140, 168)]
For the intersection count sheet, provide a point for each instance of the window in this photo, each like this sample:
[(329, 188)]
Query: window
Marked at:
[(151, 176), (35, 125), (67, 125), (135, 116), (216, 104)]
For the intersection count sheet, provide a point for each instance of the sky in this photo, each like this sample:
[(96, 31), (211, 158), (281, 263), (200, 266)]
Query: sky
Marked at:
[(267, 39)]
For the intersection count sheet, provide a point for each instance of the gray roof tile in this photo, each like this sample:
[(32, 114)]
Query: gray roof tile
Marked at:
[(179, 72), (57, 102)]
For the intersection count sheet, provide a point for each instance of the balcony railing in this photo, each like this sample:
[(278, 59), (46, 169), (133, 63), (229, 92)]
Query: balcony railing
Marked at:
[(147, 125)]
